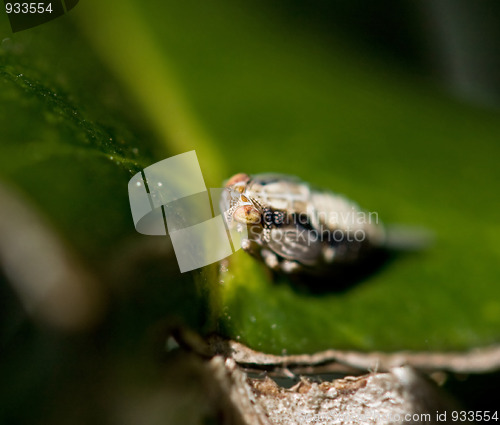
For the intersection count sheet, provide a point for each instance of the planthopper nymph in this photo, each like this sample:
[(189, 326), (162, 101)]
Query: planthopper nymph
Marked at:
[(294, 228)]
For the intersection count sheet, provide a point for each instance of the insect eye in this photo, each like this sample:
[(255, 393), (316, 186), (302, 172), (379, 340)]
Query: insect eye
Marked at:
[(247, 214), (238, 178)]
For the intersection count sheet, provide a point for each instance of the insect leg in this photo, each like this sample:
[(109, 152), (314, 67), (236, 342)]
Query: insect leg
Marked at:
[(270, 258), (290, 266)]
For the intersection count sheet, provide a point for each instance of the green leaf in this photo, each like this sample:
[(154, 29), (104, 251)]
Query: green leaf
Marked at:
[(53, 149), (268, 98), (276, 99), (71, 140)]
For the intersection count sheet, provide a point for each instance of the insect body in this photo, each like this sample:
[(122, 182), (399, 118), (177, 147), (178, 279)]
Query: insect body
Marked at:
[(292, 227)]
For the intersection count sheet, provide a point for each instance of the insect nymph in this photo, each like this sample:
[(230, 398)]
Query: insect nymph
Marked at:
[(293, 228)]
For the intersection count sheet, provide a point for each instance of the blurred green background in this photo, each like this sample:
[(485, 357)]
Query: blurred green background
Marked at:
[(394, 104)]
